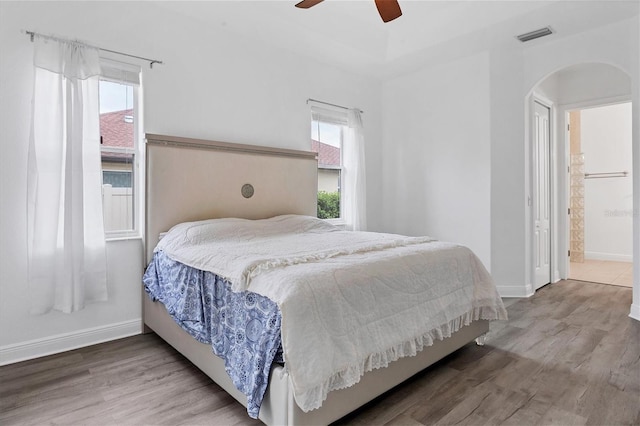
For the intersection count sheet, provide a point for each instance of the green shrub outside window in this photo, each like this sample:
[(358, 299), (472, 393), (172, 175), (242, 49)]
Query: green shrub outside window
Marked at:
[(328, 205)]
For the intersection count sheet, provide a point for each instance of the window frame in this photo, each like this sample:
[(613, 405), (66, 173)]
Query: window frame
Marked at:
[(129, 73)]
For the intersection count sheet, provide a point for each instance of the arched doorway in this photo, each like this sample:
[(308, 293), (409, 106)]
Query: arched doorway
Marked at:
[(571, 88)]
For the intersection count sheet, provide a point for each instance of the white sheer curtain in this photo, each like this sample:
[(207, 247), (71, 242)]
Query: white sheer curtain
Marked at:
[(67, 258), (355, 196)]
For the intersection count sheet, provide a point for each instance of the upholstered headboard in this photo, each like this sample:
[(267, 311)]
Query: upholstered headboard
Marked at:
[(192, 179)]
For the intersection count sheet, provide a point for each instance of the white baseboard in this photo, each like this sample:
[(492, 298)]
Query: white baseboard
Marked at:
[(515, 291), (23, 351), (635, 312), (594, 255)]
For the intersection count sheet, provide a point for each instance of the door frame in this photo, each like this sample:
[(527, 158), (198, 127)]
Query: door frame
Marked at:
[(564, 225)]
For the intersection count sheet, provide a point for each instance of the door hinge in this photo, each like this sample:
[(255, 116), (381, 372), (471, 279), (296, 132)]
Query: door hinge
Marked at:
[(569, 253), (569, 211), (568, 127)]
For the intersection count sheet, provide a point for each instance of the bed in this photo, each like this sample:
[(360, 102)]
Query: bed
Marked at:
[(190, 181)]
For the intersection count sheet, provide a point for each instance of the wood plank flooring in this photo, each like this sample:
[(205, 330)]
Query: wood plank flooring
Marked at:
[(569, 355)]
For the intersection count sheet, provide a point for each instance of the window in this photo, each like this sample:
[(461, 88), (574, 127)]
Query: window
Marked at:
[(327, 132), (337, 136), (119, 147)]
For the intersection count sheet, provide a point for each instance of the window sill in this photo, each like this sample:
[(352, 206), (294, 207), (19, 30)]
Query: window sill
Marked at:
[(122, 237)]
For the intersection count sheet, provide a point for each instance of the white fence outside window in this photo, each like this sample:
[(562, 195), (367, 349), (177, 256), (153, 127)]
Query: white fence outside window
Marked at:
[(117, 206)]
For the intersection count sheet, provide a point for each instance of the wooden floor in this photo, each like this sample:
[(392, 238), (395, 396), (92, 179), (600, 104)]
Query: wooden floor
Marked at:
[(568, 355)]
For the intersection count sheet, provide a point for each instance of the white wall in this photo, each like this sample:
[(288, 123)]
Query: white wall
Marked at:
[(509, 208), (606, 144), (213, 85), (437, 163)]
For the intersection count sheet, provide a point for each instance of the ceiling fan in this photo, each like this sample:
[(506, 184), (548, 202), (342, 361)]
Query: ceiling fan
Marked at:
[(388, 9)]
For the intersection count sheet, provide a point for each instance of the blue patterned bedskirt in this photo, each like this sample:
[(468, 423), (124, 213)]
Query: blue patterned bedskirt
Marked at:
[(242, 328)]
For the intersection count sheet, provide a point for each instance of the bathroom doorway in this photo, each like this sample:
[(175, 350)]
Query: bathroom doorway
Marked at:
[(601, 194)]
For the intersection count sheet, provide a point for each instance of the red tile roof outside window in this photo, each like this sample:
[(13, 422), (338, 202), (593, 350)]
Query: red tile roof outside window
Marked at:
[(328, 155), (116, 129)]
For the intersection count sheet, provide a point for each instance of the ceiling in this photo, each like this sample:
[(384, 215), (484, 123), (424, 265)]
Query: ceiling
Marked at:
[(350, 33)]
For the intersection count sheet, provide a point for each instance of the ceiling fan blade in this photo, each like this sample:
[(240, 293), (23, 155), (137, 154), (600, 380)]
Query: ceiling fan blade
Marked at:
[(388, 9), (306, 4)]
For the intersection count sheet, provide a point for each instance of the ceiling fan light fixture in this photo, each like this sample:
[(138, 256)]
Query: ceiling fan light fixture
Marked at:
[(532, 35), (306, 4), (388, 9)]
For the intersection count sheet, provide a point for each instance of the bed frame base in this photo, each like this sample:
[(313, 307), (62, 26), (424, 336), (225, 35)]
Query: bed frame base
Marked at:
[(279, 407)]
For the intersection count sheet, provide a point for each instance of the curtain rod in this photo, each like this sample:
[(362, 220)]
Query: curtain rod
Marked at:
[(333, 105), (151, 61)]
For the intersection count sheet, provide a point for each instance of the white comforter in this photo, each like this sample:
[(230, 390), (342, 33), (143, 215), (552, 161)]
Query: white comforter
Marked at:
[(350, 302)]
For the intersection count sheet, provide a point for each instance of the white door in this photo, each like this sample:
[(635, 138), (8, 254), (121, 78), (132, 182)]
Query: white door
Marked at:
[(541, 196)]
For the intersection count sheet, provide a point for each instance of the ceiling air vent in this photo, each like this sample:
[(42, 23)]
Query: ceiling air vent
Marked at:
[(534, 34)]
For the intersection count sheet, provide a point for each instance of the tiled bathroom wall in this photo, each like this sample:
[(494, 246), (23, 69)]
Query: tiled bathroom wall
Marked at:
[(576, 205)]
